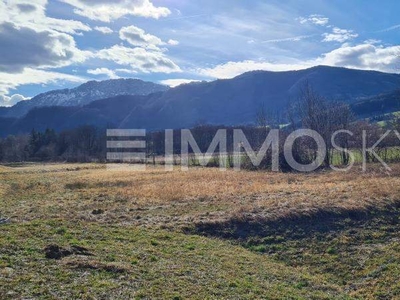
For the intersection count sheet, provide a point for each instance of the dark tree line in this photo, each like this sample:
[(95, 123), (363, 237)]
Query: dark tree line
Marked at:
[(89, 144), (83, 144)]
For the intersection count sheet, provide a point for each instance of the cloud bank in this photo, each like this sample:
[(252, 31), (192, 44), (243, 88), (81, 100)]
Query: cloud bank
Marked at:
[(109, 10), (11, 100)]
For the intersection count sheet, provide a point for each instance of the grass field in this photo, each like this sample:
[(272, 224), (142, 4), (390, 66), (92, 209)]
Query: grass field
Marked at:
[(84, 231)]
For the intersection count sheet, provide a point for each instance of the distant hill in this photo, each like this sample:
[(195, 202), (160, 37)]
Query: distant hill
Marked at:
[(84, 94), (377, 105), (228, 102)]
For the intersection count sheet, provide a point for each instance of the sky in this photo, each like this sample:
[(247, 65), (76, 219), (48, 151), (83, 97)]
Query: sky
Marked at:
[(55, 44)]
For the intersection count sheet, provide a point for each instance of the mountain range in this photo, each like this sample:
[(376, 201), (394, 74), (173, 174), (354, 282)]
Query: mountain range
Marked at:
[(84, 94), (228, 102)]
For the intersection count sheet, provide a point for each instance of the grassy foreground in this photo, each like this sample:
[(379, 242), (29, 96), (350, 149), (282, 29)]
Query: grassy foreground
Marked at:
[(82, 231)]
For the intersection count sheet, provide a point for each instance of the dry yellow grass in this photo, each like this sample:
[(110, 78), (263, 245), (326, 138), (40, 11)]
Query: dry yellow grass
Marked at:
[(121, 217), (170, 198)]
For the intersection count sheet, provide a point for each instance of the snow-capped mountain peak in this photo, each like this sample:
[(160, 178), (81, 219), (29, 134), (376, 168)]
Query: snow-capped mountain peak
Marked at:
[(86, 93)]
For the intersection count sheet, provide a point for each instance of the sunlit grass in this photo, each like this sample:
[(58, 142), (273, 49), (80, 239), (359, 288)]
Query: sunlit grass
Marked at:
[(135, 223)]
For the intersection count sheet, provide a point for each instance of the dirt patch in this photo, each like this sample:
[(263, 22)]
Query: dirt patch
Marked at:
[(97, 212), (57, 252), (96, 265)]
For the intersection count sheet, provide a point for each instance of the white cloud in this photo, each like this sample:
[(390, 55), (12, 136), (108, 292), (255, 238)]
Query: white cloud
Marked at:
[(364, 56), (138, 37), (11, 100), (31, 42), (372, 41), (177, 82), (139, 59), (22, 47), (127, 71), (32, 14), (103, 29), (30, 39), (33, 76), (390, 28), (103, 71), (314, 19), (232, 69), (109, 10), (238, 25), (290, 39), (339, 35), (173, 42)]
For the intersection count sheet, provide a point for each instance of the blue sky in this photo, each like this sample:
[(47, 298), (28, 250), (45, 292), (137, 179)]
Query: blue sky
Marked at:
[(54, 44)]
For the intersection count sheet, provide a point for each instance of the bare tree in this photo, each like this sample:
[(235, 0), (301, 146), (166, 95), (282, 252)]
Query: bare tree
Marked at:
[(323, 116), (261, 116), (267, 117)]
